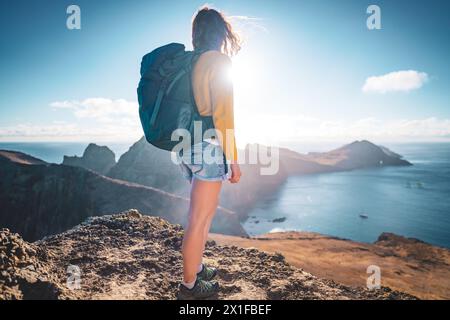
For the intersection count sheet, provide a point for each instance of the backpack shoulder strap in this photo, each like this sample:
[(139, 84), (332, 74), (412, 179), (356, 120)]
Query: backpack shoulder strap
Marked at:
[(195, 56)]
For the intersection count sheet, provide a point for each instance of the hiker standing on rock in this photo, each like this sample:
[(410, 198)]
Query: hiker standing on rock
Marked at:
[(189, 95), (213, 92)]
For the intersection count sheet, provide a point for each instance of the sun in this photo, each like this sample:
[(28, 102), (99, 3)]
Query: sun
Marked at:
[(247, 88), (243, 73)]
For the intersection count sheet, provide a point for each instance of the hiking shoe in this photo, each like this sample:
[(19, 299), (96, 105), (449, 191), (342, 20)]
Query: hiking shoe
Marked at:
[(202, 289), (207, 273)]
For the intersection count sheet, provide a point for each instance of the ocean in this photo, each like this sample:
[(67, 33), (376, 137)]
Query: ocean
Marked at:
[(410, 201)]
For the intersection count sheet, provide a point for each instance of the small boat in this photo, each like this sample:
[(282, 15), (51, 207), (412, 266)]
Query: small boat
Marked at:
[(363, 216)]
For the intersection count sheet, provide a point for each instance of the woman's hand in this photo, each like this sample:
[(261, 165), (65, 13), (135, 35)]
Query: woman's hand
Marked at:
[(235, 173)]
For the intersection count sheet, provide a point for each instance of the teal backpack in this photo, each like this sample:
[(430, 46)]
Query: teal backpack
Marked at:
[(166, 100)]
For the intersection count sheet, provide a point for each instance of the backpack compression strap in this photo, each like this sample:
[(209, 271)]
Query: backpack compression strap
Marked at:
[(164, 89), (157, 105)]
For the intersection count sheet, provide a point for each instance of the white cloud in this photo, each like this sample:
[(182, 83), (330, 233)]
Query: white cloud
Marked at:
[(96, 119), (247, 26), (104, 118), (101, 119), (101, 109), (68, 132), (395, 81), (276, 129)]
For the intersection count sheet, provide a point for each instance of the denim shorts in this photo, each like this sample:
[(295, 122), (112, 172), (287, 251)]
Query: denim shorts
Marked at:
[(205, 162)]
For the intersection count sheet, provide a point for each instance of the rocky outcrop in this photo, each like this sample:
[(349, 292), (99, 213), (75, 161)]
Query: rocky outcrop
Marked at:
[(406, 264), (19, 157), (413, 249), (131, 256), (392, 240), (37, 200), (150, 166), (23, 272), (96, 158)]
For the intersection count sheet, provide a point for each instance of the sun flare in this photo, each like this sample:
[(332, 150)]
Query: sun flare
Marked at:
[(247, 90)]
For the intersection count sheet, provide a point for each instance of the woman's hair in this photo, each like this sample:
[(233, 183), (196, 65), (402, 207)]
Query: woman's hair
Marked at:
[(212, 31)]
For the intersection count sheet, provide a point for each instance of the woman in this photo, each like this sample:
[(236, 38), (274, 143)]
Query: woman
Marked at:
[(213, 92)]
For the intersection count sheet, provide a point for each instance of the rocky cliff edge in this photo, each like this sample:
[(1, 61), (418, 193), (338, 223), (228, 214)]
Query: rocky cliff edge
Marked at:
[(132, 256)]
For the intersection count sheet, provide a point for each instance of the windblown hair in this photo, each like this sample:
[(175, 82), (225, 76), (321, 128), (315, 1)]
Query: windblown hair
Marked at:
[(212, 31)]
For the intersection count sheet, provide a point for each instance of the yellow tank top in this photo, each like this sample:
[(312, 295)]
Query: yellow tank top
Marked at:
[(213, 93)]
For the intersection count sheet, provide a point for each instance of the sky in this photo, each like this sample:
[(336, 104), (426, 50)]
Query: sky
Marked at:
[(307, 71)]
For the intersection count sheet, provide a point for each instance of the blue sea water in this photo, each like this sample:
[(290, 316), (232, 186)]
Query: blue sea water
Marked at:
[(410, 201)]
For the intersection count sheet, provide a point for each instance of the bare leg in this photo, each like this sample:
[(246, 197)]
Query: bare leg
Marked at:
[(206, 233), (204, 201)]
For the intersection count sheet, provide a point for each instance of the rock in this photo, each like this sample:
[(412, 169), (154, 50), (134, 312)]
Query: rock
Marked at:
[(133, 213), (22, 274), (392, 239), (97, 158), (278, 257), (39, 200), (147, 165), (22, 158), (149, 265)]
